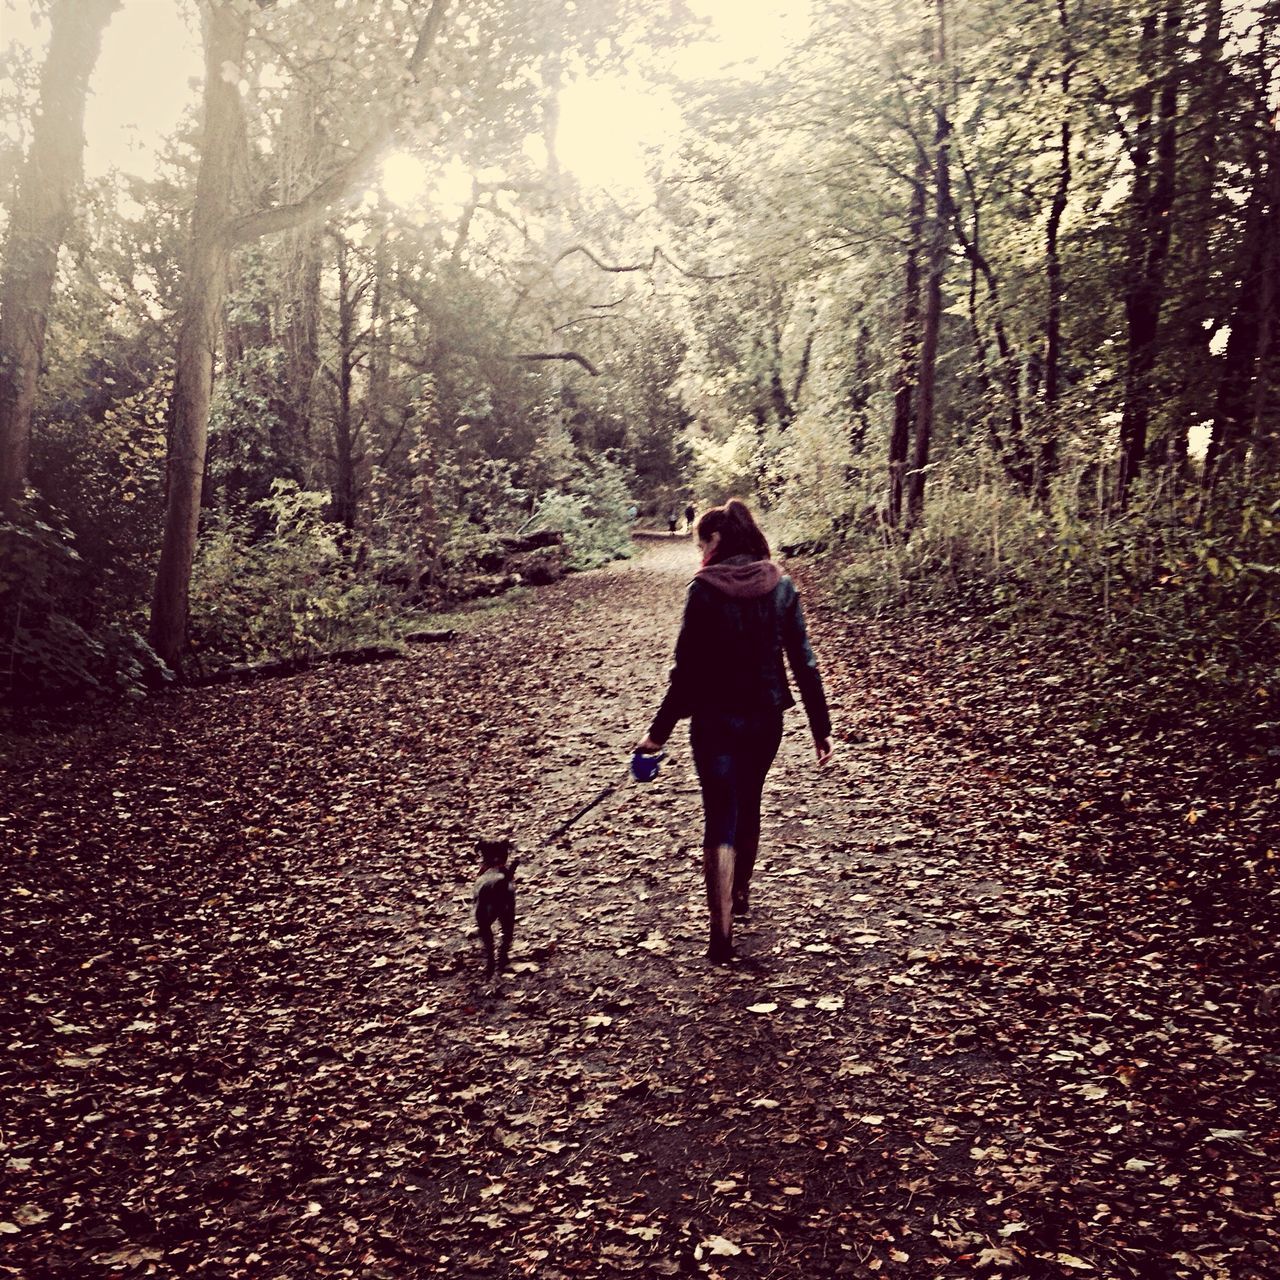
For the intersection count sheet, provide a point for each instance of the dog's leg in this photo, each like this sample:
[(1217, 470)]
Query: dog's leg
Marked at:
[(508, 922), (486, 936)]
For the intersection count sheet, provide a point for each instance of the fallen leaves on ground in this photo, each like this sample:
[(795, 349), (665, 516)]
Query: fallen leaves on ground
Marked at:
[(1001, 1009)]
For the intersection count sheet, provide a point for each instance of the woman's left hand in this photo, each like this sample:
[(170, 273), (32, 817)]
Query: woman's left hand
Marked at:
[(647, 745)]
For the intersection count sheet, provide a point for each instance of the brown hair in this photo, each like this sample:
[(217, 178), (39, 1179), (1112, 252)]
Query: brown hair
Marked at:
[(739, 533)]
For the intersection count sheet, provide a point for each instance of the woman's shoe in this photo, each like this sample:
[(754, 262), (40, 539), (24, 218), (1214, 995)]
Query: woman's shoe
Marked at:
[(720, 951), (741, 907)]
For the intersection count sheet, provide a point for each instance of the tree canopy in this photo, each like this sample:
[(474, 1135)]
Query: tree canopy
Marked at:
[(929, 272)]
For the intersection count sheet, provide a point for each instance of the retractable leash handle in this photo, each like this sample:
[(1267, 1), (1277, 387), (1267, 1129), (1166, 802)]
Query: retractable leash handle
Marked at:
[(645, 764)]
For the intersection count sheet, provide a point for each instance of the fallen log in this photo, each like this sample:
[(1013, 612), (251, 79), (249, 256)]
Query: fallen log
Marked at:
[(270, 668), (428, 637)]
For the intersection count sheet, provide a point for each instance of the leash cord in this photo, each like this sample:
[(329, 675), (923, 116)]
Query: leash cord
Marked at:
[(582, 813)]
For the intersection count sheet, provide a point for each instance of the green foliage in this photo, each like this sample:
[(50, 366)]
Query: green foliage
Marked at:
[(99, 451), (291, 591), (249, 433), (432, 362), (723, 469), (76, 565), (52, 644), (593, 514), (485, 502), (1176, 599)]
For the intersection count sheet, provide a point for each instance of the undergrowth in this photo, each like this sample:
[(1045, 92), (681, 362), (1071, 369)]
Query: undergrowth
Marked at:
[(1167, 607)]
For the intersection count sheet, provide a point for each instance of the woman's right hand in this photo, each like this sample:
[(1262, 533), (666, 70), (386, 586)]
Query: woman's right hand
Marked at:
[(647, 745), (824, 750)]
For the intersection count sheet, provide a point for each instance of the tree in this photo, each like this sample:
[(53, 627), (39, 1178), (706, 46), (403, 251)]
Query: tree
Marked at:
[(907, 372), (1154, 155), (937, 244), (41, 214), (1247, 364), (215, 229)]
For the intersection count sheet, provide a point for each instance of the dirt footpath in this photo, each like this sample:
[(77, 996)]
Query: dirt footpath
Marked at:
[(247, 1033)]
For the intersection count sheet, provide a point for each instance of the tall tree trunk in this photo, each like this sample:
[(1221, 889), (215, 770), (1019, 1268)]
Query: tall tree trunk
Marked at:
[(1013, 453), (203, 290), (300, 258), (213, 233), (1236, 400), (980, 352), (1199, 267), (1232, 407), (999, 446), (1266, 379), (908, 351), (378, 394), (938, 238), (38, 224), (1152, 206), (422, 463), (1047, 463), (344, 441), (783, 410)]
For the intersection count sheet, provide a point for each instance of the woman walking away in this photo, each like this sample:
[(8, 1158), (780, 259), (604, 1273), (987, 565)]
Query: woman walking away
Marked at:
[(742, 614)]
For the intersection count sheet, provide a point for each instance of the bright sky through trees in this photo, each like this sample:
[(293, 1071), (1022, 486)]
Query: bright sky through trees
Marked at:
[(609, 125), (148, 74), (150, 69)]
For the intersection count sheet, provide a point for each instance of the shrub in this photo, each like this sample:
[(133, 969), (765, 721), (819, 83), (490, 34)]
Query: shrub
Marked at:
[(1177, 596), (593, 514), (485, 501), (53, 646), (290, 592)]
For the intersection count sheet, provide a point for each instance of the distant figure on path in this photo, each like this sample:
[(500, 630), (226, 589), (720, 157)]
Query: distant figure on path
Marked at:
[(742, 614), (671, 521), (689, 512)]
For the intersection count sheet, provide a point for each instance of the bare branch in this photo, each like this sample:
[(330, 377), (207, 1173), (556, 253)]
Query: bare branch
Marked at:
[(561, 355), (658, 253), (577, 320)]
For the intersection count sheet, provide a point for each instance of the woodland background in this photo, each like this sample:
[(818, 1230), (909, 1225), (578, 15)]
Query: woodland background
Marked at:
[(977, 300)]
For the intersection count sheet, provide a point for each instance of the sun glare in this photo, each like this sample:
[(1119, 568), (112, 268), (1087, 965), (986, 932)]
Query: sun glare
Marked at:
[(407, 181), (131, 116), (454, 185), (609, 128), (404, 179)]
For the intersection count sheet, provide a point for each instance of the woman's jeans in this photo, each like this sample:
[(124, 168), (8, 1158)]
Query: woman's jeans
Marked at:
[(732, 753)]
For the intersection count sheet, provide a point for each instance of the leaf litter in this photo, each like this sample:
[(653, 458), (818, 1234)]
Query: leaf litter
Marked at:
[(1001, 1010)]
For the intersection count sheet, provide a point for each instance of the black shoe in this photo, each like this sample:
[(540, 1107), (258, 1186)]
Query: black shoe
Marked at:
[(720, 951), (741, 907)]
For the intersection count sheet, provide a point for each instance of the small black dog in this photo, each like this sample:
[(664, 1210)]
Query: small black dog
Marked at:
[(495, 895)]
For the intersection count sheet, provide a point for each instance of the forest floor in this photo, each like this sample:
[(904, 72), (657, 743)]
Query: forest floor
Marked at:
[(1006, 1008)]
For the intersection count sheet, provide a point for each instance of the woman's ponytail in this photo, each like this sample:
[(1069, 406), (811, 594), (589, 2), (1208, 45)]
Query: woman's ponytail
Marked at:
[(739, 533)]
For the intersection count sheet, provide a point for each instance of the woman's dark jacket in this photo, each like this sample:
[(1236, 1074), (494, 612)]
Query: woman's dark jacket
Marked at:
[(739, 619)]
